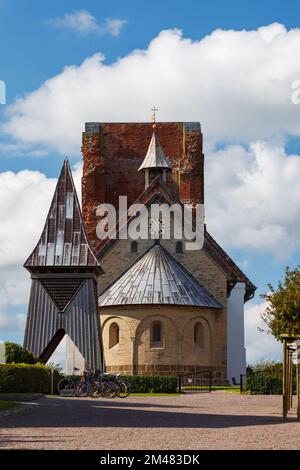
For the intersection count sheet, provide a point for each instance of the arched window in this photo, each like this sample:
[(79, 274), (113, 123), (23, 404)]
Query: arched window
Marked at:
[(134, 247), (114, 334), (179, 248), (198, 336), (156, 335)]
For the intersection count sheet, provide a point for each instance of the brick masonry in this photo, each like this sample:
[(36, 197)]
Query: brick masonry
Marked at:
[(113, 152)]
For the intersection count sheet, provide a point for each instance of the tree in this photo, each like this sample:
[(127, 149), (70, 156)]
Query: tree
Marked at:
[(17, 354), (283, 312)]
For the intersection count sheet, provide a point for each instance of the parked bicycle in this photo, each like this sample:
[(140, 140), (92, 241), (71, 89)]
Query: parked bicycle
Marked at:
[(67, 386), (94, 385)]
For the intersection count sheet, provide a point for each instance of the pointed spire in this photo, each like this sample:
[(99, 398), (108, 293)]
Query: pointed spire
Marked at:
[(64, 240), (155, 157)]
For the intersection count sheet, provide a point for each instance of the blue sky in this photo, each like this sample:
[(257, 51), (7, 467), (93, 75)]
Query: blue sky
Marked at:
[(36, 44)]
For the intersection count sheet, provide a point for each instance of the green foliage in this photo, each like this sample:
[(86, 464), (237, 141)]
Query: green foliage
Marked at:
[(4, 405), (14, 353), (283, 313), (265, 378), (22, 378), (151, 384)]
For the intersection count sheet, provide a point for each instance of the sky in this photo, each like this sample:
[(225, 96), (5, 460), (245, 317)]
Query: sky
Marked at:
[(228, 64)]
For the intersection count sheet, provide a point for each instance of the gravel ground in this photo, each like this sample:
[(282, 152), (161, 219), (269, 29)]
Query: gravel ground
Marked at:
[(193, 421)]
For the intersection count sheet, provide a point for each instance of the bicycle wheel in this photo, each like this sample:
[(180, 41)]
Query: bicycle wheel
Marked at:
[(96, 389), (109, 389), (82, 389), (124, 389), (66, 387)]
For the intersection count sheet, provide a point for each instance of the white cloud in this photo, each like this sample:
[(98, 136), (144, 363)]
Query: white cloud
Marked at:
[(237, 83), (9, 322), (21, 150), (83, 22), (24, 202), (253, 198), (60, 354), (14, 286), (259, 345), (114, 26), (25, 199)]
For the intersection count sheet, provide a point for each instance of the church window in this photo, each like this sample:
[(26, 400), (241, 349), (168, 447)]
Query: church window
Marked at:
[(134, 247), (114, 334), (198, 336), (156, 336), (179, 248)]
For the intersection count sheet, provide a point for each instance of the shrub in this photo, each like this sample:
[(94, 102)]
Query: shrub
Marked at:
[(27, 378), (265, 378), (19, 355), (152, 384)]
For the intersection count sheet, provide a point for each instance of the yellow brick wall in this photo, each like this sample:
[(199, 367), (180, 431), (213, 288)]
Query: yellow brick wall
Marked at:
[(133, 353)]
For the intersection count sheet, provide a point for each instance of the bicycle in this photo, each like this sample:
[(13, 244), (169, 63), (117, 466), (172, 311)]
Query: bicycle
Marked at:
[(103, 387), (67, 386), (123, 386)]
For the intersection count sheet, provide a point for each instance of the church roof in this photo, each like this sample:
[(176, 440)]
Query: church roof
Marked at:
[(155, 157), (157, 278), (63, 241)]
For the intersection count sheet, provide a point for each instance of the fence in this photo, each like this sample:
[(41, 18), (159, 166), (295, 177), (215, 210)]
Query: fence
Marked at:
[(195, 382), (261, 382)]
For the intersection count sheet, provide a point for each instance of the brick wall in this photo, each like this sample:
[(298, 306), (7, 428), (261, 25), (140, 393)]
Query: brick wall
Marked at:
[(135, 355), (113, 152)]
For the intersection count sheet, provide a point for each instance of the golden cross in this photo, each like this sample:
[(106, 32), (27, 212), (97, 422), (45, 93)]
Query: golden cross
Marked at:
[(154, 109)]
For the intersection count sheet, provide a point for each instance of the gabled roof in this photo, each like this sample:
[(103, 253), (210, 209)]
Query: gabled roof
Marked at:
[(211, 247), (157, 278), (63, 241), (155, 157)]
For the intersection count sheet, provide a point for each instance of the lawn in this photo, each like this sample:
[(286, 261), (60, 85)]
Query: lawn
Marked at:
[(217, 388), (19, 396), (4, 405), (229, 389), (225, 389)]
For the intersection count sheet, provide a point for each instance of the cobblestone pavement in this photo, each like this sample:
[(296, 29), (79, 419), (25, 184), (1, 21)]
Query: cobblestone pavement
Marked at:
[(196, 421)]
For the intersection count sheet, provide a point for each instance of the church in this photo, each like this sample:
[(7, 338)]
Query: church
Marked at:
[(141, 306)]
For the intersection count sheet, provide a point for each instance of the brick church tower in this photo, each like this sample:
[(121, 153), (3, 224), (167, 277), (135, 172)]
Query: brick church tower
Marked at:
[(163, 309), (113, 152)]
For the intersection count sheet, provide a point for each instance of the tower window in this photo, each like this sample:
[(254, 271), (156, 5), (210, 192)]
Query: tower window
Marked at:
[(179, 248), (198, 336), (156, 335), (114, 335), (134, 247)]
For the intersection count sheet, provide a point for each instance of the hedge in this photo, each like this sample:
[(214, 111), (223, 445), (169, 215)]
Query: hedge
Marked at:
[(27, 378), (265, 378), (151, 384), (15, 353)]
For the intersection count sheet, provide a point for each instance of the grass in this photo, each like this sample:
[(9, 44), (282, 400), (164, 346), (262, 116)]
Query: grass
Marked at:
[(228, 388), (216, 388), (4, 405), (19, 396)]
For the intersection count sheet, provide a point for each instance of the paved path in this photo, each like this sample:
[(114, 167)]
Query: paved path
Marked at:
[(198, 421)]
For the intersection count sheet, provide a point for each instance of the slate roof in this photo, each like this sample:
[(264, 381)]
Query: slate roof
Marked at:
[(157, 278), (155, 157)]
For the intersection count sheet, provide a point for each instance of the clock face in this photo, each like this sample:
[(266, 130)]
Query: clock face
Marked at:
[(156, 227)]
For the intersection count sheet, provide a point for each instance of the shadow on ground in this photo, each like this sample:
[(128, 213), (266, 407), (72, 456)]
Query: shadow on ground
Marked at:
[(73, 412)]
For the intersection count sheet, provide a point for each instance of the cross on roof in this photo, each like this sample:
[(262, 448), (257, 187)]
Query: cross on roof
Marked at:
[(154, 109)]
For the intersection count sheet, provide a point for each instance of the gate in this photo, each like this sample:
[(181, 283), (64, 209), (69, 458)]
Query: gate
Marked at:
[(195, 382)]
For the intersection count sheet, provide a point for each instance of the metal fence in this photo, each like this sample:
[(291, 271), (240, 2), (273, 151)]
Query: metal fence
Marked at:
[(195, 382), (261, 382)]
